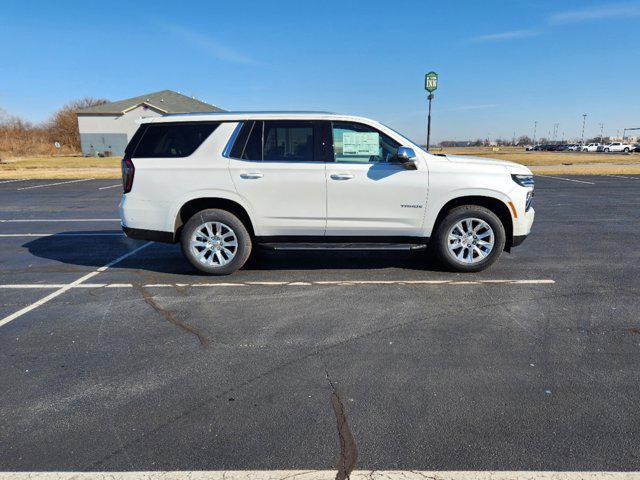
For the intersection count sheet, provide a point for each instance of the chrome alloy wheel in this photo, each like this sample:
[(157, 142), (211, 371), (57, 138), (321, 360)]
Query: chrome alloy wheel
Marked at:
[(470, 240), (213, 244)]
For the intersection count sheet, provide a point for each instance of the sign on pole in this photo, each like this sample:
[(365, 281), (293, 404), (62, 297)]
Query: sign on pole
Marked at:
[(431, 82)]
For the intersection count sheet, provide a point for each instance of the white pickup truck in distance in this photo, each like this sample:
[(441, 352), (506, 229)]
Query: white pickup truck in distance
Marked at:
[(221, 183), (617, 147)]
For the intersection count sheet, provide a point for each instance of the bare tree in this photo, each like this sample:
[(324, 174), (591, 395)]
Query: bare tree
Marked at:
[(63, 125)]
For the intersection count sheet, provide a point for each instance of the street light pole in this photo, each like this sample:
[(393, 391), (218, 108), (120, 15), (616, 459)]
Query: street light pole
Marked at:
[(535, 127), (584, 119)]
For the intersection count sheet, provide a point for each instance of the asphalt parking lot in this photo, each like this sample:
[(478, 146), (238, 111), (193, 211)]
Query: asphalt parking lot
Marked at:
[(317, 360)]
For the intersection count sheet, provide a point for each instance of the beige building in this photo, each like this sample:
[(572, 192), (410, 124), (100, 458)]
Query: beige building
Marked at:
[(106, 129)]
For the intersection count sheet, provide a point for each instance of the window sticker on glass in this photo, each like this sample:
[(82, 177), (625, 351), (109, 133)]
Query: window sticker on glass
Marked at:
[(360, 143)]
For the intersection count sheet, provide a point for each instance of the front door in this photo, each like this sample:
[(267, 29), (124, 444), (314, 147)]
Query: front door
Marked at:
[(280, 172), (368, 192)]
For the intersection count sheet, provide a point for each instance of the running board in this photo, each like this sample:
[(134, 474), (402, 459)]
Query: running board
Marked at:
[(343, 246)]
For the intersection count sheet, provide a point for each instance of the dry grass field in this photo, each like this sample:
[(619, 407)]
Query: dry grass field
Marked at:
[(60, 167), (568, 163), (575, 163)]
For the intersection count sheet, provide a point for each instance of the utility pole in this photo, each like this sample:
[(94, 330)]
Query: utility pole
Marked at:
[(601, 132), (584, 119), (535, 127), (555, 132)]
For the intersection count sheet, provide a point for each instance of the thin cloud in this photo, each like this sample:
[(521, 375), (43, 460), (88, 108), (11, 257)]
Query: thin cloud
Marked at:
[(504, 36), (213, 48), (618, 11)]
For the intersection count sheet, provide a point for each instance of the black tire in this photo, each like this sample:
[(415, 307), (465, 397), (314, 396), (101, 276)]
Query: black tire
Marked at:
[(439, 244), (626, 150), (238, 230), (606, 150)]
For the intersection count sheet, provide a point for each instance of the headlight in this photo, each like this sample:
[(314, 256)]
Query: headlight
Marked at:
[(523, 180)]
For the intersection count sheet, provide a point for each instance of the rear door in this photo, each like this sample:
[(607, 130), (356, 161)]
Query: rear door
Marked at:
[(279, 168), (369, 193)]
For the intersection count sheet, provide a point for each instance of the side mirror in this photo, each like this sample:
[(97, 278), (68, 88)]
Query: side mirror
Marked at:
[(407, 157)]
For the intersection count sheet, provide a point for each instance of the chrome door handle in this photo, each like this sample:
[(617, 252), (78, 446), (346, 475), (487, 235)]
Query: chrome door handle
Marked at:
[(341, 176), (251, 175)]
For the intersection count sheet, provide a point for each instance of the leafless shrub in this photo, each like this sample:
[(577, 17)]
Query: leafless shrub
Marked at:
[(19, 137)]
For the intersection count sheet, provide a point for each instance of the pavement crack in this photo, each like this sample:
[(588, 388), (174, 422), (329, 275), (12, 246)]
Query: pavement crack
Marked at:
[(169, 317), (348, 448)]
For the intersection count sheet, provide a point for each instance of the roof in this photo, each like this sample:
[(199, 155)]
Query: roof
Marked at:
[(165, 101), (239, 116)]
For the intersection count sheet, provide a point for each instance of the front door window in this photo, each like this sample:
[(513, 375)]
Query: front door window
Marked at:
[(358, 143)]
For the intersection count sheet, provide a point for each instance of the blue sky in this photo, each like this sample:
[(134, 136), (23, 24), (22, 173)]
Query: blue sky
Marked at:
[(502, 64)]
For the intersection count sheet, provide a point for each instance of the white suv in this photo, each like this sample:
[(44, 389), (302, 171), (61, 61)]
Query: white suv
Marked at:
[(221, 183), (591, 147)]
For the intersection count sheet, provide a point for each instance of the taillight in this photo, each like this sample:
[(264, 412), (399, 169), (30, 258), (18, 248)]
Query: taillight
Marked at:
[(128, 170)]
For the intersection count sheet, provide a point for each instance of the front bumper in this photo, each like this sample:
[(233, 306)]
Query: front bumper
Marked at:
[(517, 240), (522, 227)]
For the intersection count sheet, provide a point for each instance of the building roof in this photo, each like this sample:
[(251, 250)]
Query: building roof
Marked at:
[(165, 101)]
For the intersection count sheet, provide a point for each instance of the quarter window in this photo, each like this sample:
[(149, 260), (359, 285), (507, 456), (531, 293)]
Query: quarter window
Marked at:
[(170, 140), (355, 142)]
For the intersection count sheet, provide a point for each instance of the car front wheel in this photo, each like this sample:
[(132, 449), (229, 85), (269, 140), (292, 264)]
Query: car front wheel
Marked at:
[(216, 242), (469, 239)]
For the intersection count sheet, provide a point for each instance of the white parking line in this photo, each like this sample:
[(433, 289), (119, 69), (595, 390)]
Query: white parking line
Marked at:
[(69, 286), (79, 234), (44, 286), (66, 220), (111, 186), (621, 176), (57, 183), (323, 475), (14, 180), (566, 179)]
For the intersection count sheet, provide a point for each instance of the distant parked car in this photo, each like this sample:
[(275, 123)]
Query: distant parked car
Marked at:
[(591, 147), (574, 147), (636, 147), (617, 147)]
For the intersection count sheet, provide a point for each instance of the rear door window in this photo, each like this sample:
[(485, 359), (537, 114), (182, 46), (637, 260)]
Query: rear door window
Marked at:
[(171, 140), (288, 142), (279, 141)]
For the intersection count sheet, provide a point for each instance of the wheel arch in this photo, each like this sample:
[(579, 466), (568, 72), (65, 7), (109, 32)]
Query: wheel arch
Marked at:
[(194, 205), (496, 205)]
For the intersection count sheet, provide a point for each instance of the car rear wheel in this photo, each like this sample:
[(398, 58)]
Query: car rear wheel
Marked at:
[(215, 242), (626, 150), (469, 239)]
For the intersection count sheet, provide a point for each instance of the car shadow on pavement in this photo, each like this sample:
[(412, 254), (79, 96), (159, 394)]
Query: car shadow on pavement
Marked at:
[(98, 248)]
